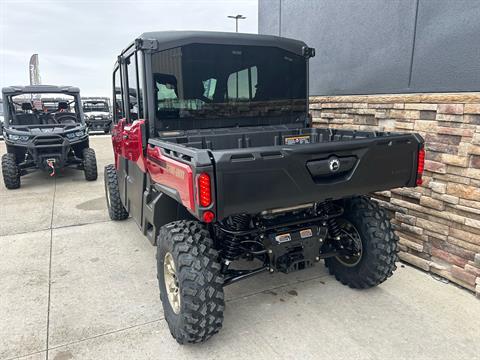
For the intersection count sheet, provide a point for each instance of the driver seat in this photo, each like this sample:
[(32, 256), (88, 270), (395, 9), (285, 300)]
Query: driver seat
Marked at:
[(63, 116)]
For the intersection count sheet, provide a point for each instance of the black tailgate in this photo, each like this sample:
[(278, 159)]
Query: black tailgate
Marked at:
[(255, 179)]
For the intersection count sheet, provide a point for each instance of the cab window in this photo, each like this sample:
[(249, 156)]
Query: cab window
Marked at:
[(133, 103), (242, 85), (118, 108), (140, 85)]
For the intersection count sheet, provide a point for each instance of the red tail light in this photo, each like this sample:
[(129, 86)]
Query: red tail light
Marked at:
[(420, 165), (204, 190)]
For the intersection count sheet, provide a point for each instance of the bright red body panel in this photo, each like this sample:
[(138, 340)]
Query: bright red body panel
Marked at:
[(173, 174), (127, 143)]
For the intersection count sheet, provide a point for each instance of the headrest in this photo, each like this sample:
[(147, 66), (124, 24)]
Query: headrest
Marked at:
[(62, 105), (27, 106), (194, 90)]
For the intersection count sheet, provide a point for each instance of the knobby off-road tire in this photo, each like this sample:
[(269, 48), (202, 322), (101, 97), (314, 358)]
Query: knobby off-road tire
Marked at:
[(10, 171), (116, 210), (90, 164), (199, 313), (379, 246)]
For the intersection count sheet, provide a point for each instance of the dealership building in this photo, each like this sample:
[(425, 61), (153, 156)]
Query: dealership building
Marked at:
[(410, 65)]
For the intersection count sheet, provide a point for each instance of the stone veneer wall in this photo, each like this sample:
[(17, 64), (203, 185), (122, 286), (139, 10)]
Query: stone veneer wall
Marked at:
[(439, 223)]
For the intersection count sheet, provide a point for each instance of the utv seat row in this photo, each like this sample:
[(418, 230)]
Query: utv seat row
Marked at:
[(26, 118), (63, 116)]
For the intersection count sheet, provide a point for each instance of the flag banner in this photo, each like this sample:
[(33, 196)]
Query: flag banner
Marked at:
[(34, 70)]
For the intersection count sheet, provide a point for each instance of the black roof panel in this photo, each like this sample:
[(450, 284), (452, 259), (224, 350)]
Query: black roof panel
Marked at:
[(40, 89), (169, 39)]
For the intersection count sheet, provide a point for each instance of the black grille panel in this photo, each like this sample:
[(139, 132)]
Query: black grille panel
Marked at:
[(48, 140)]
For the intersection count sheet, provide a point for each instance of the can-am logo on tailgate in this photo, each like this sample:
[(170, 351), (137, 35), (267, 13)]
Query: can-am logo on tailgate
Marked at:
[(334, 164)]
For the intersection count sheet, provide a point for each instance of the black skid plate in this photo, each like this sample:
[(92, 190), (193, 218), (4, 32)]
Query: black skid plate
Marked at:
[(295, 248)]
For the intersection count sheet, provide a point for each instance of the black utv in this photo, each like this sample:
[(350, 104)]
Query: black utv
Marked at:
[(97, 113), (44, 129)]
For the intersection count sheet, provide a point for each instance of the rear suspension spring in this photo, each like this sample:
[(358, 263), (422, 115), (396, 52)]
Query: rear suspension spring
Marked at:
[(333, 228), (231, 244), (231, 247)]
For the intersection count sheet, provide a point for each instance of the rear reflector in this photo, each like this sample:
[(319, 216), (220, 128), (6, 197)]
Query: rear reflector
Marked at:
[(420, 166), (204, 190), (208, 216)]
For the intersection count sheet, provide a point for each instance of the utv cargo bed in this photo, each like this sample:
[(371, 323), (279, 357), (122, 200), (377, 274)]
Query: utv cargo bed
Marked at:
[(256, 168)]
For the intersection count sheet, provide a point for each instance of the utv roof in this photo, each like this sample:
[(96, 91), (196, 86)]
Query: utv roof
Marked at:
[(40, 89), (169, 39)]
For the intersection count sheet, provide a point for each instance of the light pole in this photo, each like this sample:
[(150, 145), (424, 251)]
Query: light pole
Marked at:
[(236, 17)]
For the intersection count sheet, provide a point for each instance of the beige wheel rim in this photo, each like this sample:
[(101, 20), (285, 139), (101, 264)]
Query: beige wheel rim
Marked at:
[(171, 283)]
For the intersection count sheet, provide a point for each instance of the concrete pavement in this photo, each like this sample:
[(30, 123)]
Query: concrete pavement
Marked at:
[(75, 285)]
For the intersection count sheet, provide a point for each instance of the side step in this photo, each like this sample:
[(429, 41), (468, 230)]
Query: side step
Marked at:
[(148, 226), (158, 209)]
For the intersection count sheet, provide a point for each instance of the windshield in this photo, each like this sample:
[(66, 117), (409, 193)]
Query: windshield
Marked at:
[(89, 106), (42, 109), (235, 83)]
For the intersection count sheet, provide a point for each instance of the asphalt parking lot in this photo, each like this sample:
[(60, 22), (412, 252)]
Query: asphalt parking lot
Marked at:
[(75, 285)]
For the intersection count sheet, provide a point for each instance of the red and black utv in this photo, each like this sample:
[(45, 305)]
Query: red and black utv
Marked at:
[(217, 161)]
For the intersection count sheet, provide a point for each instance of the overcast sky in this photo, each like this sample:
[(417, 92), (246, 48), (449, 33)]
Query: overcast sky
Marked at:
[(78, 40)]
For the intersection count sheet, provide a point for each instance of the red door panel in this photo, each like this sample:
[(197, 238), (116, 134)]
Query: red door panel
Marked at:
[(127, 142)]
